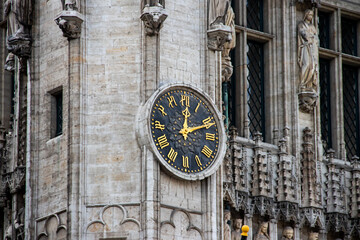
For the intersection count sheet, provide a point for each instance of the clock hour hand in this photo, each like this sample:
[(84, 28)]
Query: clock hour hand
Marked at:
[(184, 130)]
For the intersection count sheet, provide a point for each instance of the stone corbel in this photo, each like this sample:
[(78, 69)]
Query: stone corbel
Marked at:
[(70, 23), (307, 101), (218, 35), (153, 18)]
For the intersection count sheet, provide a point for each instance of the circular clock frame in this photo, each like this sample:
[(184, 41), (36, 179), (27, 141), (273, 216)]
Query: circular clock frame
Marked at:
[(146, 133)]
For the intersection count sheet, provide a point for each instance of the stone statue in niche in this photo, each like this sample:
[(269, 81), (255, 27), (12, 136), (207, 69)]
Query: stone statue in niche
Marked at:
[(314, 236), (227, 68), (308, 53), (217, 11), (227, 230), (69, 5), (263, 232), (288, 233), (19, 224), (236, 233)]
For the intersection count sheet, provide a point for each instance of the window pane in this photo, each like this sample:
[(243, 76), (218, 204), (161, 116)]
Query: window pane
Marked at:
[(325, 108), (255, 91), (324, 29), (348, 35), (59, 120), (351, 111), (254, 15)]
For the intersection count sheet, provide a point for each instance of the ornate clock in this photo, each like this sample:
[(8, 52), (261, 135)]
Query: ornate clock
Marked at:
[(185, 131)]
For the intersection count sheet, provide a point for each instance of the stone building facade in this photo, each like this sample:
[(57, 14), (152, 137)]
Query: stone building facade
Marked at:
[(79, 77)]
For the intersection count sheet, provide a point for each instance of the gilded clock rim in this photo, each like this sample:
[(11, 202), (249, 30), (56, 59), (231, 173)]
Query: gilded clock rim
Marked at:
[(220, 128)]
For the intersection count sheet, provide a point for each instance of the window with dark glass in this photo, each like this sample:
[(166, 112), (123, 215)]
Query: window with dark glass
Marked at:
[(324, 29), (255, 90), (56, 113), (255, 14), (351, 111), (349, 36), (325, 101)]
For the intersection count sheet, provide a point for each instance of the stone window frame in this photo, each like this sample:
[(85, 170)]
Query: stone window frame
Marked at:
[(337, 59), (239, 57)]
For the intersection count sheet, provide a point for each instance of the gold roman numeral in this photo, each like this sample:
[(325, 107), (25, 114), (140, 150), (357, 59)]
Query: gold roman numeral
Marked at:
[(159, 126), (162, 110), (198, 160), (185, 162), (197, 107), (208, 123), (172, 154), (210, 136), (172, 101), (185, 99), (163, 142), (206, 151)]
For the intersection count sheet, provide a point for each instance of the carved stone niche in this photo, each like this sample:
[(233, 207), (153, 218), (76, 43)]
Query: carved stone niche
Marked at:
[(153, 16), (70, 23)]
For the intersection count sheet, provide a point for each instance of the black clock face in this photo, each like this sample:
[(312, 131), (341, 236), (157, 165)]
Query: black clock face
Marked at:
[(184, 130)]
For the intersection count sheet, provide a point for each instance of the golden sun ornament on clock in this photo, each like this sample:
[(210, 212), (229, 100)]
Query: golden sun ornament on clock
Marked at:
[(185, 131)]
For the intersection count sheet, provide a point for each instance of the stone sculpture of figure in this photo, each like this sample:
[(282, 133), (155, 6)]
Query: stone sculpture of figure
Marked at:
[(69, 5), (308, 53), (19, 224), (217, 11), (314, 236), (236, 233), (263, 232), (288, 233), (227, 68), (19, 17), (227, 230)]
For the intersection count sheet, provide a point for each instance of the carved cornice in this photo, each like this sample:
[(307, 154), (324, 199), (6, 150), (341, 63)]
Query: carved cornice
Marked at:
[(153, 18), (314, 217), (70, 23)]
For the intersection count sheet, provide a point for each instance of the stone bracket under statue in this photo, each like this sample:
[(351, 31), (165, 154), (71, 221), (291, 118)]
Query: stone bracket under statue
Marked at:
[(70, 23), (218, 35), (153, 18)]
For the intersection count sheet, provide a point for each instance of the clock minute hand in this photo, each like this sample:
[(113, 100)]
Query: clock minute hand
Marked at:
[(191, 129)]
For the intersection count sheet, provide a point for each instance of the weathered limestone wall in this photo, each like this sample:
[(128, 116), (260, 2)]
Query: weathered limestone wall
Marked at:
[(49, 154)]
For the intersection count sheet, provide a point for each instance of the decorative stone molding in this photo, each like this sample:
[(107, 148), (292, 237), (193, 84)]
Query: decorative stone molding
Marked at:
[(153, 18), (243, 202), (52, 227), (314, 217), (69, 21), (307, 101), (264, 206), (288, 211), (337, 222), (180, 224), (218, 35)]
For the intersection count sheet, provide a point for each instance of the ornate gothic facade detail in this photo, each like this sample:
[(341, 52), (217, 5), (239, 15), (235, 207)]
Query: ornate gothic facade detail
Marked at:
[(70, 20), (288, 211), (307, 101), (337, 222), (153, 15), (314, 217), (334, 182), (355, 188), (218, 35), (310, 188), (286, 190)]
